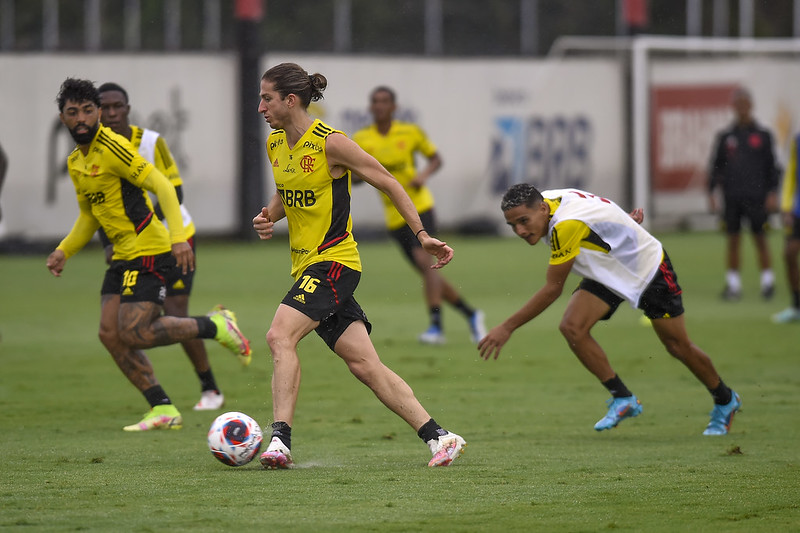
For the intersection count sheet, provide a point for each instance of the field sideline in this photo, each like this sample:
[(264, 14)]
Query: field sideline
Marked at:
[(533, 463)]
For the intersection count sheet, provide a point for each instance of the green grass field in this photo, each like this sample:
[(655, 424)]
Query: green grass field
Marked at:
[(533, 463)]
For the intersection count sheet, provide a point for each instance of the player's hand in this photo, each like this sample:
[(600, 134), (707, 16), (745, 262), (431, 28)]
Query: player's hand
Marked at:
[(263, 225), (712, 203), (637, 215), (418, 181), (56, 262), (438, 249), (788, 219), (771, 203), (184, 256), (493, 342)]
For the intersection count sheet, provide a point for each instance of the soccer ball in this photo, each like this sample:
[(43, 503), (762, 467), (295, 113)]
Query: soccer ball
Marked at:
[(234, 438)]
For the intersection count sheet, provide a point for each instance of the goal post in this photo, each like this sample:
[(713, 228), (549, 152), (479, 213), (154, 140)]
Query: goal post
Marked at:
[(690, 66)]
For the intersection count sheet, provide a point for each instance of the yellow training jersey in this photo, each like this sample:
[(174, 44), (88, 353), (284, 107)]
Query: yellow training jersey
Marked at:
[(396, 151), (153, 147), (317, 205), (110, 178)]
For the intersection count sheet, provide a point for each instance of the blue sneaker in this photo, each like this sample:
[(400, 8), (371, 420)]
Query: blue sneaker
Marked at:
[(722, 416), (432, 335), (619, 409), (477, 328)]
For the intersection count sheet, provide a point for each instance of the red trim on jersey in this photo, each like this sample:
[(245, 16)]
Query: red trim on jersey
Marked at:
[(332, 242), (143, 224)]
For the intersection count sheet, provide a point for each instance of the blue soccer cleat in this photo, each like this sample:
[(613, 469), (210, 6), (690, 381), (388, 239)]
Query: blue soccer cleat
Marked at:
[(619, 409), (722, 416)]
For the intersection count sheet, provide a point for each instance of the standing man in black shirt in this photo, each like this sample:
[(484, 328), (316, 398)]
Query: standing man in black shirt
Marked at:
[(743, 166)]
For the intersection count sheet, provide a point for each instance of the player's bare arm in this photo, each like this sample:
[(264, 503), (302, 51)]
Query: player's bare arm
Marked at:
[(342, 154), (555, 279), (434, 164)]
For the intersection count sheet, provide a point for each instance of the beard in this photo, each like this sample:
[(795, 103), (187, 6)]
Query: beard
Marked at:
[(85, 138)]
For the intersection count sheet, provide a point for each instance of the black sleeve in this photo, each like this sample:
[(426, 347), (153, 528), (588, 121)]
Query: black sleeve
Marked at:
[(772, 170), (717, 163), (103, 237)]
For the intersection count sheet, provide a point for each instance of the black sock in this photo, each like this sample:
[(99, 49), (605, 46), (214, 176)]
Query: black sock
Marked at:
[(462, 306), (207, 381), (436, 316), (430, 430), (617, 388), (283, 432), (156, 396), (722, 394), (206, 328), (796, 299)]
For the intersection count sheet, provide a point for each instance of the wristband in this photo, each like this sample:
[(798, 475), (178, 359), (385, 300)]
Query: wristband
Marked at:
[(416, 235)]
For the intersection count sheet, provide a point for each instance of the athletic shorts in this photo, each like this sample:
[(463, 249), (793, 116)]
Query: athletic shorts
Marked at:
[(661, 299), (406, 238), (140, 280), (178, 282), (753, 209), (324, 293)]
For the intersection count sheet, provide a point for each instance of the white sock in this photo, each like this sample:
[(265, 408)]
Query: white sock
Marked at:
[(733, 280), (767, 278)]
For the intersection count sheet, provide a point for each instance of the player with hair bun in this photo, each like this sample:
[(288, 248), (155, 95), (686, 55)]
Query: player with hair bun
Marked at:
[(312, 165)]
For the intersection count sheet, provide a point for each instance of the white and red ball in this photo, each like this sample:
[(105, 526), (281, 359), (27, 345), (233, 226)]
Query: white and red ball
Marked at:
[(234, 438)]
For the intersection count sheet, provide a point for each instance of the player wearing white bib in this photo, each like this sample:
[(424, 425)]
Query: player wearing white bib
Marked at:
[(153, 147), (618, 260)]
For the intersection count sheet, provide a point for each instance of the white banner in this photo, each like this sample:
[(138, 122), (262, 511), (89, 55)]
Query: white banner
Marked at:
[(190, 99), (496, 122), (772, 83)]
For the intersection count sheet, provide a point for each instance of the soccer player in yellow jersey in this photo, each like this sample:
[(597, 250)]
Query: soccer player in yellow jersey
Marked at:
[(618, 261), (312, 165), (115, 108), (395, 145), (790, 215), (111, 181)]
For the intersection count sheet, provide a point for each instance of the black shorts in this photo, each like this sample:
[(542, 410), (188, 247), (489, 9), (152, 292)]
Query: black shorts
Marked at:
[(178, 282), (324, 293), (406, 238), (661, 299), (753, 209), (140, 280)]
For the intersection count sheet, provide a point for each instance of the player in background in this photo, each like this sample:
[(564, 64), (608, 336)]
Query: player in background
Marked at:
[(111, 181), (312, 165), (619, 261), (790, 213), (116, 108), (395, 145), (743, 166)]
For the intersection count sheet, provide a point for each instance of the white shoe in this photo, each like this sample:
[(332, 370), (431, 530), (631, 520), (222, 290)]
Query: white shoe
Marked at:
[(210, 400), (445, 449), (432, 335), (277, 455), (477, 328)]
